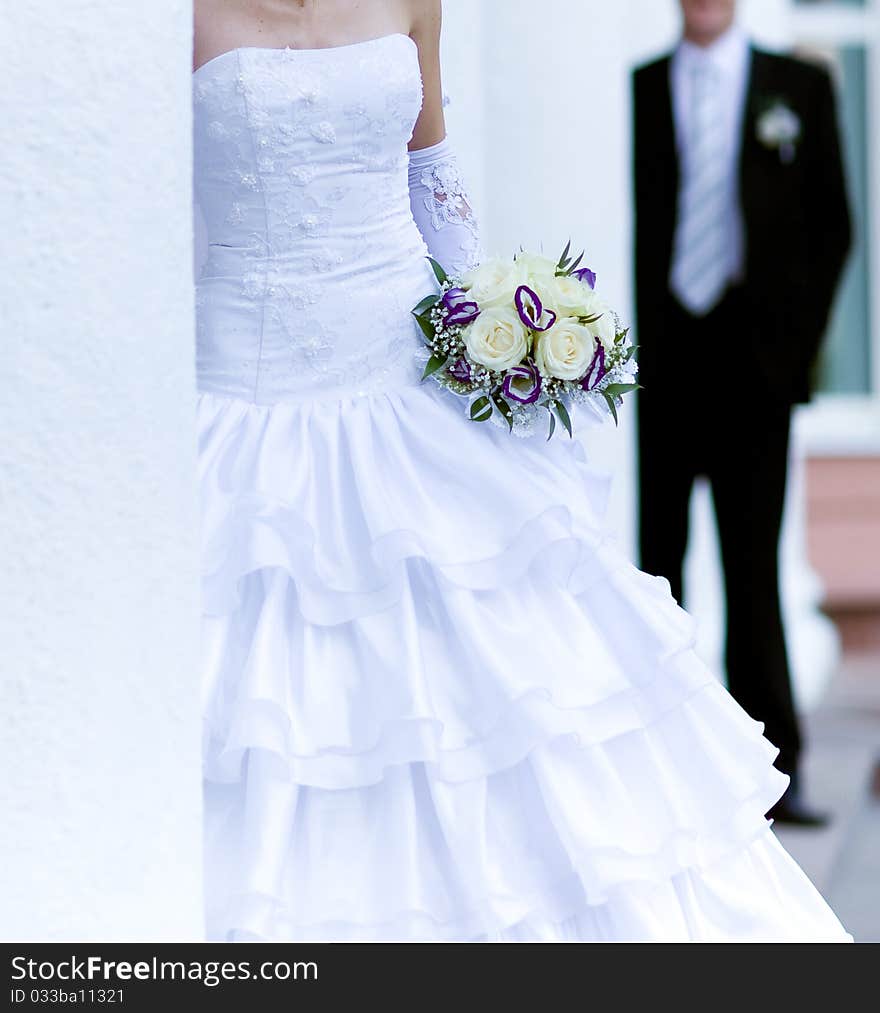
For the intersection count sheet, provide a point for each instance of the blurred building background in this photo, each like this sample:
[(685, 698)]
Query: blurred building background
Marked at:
[(842, 432)]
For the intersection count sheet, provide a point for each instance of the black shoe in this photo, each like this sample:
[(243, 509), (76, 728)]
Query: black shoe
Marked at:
[(793, 811)]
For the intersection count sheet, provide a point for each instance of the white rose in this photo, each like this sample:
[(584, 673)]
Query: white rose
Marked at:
[(536, 268), (779, 125), (497, 339), (565, 350), (570, 297), (494, 282), (605, 328)]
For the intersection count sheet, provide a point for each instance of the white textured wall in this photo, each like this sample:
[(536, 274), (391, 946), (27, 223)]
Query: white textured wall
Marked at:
[(99, 729)]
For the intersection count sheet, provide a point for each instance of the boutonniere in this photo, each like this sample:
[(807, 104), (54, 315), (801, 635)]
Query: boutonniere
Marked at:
[(779, 129)]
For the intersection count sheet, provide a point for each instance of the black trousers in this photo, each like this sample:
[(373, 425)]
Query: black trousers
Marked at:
[(725, 430)]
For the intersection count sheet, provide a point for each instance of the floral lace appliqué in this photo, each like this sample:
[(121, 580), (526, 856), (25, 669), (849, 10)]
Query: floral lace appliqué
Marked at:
[(447, 201)]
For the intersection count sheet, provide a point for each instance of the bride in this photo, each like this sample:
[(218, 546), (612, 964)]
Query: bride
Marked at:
[(439, 703)]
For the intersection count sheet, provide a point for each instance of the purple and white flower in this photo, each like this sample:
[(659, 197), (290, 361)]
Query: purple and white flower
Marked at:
[(458, 309), (597, 371), (586, 275), (460, 371), (522, 383), (531, 310)]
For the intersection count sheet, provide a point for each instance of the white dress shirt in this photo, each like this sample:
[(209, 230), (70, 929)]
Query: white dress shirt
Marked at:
[(730, 57)]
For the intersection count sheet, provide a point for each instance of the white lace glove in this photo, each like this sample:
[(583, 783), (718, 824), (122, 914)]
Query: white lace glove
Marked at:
[(442, 209)]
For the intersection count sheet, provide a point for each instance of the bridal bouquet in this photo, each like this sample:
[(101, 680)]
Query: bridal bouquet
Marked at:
[(525, 339)]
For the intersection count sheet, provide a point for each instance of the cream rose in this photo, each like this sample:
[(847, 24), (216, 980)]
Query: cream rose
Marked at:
[(537, 269), (565, 350), (497, 339), (494, 282), (605, 328), (570, 297)]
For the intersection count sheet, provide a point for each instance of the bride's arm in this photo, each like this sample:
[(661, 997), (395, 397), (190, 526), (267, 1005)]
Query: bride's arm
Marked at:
[(438, 195)]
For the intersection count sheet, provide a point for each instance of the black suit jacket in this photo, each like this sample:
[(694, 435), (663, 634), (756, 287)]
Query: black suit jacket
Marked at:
[(796, 218)]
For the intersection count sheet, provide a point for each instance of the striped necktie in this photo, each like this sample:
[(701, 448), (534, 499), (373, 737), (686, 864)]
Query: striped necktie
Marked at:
[(701, 253)]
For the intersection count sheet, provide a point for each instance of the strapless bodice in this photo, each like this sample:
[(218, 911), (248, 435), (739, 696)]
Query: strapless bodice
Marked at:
[(314, 259)]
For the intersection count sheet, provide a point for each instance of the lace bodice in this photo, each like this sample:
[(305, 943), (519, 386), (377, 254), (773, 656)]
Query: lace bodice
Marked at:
[(314, 259)]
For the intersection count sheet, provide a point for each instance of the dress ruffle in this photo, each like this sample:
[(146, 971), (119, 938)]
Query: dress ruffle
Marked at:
[(343, 494), (441, 704)]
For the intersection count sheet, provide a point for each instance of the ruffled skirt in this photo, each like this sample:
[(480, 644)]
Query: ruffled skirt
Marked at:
[(441, 704)]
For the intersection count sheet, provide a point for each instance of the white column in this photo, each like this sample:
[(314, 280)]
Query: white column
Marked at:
[(99, 715)]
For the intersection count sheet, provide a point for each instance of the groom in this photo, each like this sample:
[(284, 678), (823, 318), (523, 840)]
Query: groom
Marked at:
[(742, 230)]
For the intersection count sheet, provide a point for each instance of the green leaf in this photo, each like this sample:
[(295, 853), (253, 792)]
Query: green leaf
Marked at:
[(552, 426), (612, 407), (441, 275), (591, 319), (434, 365), (617, 389), (563, 260), (428, 303), (505, 410), (481, 409), (427, 327), (564, 418), (573, 267), (630, 352)]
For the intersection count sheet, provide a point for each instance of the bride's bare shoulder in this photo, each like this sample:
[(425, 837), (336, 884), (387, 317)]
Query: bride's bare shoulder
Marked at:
[(204, 11), (216, 26), (217, 6), (424, 15), (424, 19), (214, 15)]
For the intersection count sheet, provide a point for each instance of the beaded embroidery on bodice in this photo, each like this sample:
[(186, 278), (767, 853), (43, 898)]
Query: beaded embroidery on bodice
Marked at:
[(314, 260)]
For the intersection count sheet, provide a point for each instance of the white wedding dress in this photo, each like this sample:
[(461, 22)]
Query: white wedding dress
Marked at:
[(439, 702)]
